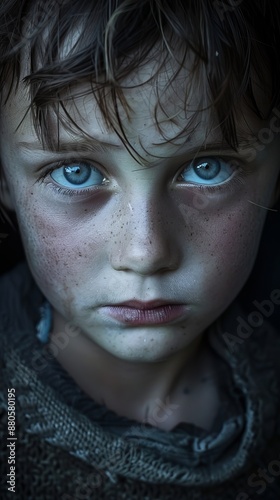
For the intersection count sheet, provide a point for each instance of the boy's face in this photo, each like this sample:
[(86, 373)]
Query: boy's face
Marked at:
[(157, 231)]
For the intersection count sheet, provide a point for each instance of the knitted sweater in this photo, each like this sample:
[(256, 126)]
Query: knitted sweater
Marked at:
[(68, 447)]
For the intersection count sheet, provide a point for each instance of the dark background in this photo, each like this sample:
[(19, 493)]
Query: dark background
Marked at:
[(263, 280)]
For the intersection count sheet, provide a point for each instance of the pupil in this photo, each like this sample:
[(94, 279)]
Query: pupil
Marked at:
[(77, 174), (206, 170)]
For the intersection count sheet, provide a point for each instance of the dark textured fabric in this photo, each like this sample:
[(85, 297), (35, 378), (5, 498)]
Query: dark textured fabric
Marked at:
[(69, 447)]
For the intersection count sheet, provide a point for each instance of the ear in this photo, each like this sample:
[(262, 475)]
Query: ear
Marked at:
[(276, 195), (5, 195)]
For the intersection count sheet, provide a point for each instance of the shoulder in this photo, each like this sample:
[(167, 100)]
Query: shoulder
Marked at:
[(18, 277), (252, 352), (20, 299)]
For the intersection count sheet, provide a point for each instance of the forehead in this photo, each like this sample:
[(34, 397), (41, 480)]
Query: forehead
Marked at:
[(160, 109), (158, 105)]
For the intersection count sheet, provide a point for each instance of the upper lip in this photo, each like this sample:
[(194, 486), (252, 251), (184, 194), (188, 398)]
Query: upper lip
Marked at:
[(152, 304)]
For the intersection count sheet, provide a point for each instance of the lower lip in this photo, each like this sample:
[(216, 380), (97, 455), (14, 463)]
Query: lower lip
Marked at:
[(155, 316)]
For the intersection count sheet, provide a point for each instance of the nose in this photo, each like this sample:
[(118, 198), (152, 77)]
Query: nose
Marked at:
[(146, 241)]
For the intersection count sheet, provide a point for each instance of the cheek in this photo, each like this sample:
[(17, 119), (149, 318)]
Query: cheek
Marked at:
[(228, 243), (65, 251), (61, 253), (224, 230)]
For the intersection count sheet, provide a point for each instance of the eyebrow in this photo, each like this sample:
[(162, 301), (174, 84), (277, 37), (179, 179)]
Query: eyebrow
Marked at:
[(88, 145), (97, 145)]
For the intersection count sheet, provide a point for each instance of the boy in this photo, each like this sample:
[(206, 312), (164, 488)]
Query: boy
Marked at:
[(140, 153)]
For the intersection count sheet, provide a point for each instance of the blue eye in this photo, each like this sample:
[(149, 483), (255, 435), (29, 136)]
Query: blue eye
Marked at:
[(77, 175), (207, 171)]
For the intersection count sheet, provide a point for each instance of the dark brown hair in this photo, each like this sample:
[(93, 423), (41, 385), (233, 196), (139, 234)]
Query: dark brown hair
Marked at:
[(233, 43)]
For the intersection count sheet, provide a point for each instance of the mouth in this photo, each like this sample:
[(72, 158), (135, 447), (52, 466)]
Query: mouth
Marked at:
[(138, 313)]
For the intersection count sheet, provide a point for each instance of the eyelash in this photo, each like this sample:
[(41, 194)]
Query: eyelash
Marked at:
[(227, 185), (62, 190)]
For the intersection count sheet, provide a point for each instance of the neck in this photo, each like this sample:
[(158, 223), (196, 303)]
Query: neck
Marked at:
[(136, 390)]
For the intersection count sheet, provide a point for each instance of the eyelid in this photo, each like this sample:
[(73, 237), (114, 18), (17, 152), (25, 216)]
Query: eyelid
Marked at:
[(219, 154), (241, 167), (56, 165), (236, 162), (239, 172), (74, 193)]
